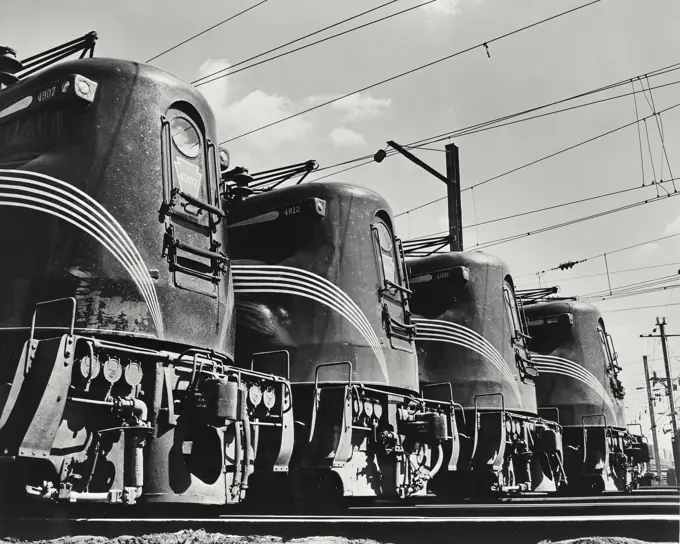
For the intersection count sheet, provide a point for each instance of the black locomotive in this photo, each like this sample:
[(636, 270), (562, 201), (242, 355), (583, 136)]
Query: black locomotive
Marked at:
[(471, 334), (578, 386), (117, 314), (320, 284)]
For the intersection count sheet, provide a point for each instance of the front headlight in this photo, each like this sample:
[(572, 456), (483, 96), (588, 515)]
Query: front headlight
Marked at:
[(133, 374), (368, 408), (378, 410), (255, 394), (269, 397), (112, 370)]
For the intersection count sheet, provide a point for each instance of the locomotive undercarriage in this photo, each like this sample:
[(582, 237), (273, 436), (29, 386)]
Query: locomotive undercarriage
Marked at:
[(506, 452), (603, 458), (356, 440), (85, 416)]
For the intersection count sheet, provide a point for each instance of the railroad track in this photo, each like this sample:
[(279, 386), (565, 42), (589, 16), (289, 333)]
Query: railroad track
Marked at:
[(645, 514)]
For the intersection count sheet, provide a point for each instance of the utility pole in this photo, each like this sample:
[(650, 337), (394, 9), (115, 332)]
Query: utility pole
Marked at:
[(675, 439), (452, 181), (652, 417), (453, 194), (671, 404)]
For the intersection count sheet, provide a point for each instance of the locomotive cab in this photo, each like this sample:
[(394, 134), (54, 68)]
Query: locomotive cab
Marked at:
[(578, 385), (320, 282), (470, 332)]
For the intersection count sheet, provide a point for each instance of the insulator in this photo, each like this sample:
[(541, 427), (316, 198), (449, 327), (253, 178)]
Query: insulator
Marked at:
[(9, 65)]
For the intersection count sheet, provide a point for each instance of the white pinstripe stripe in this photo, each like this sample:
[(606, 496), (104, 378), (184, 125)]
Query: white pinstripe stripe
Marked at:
[(91, 233), (295, 281), (565, 367), (78, 220), (89, 207), (433, 326), (435, 330), (559, 367), (566, 364), (92, 218)]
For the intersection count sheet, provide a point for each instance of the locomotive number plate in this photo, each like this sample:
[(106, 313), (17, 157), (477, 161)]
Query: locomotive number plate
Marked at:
[(46, 94)]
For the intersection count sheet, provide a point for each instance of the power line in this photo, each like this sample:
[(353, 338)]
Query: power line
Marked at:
[(495, 123), (538, 210), (541, 159), (610, 272), (230, 69), (413, 70), (645, 284), (615, 251), (572, 222), (206, 30), (631, 293)]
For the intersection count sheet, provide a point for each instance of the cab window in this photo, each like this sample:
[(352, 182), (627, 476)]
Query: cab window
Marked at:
[(386, 253), (604, 344), (511, 306)]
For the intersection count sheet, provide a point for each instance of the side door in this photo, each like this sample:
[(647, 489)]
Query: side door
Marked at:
[(519, 337), (393, 291)]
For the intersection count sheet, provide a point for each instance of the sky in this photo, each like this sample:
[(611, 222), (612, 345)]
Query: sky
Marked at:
[(610, 41)]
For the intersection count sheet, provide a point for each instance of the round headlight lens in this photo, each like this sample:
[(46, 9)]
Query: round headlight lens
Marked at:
[(269, 397), (224, 158), (508, 426), (368, 408), (133, 374), (255, 394), (89, 367), (185, 137), (357, 405), (113, 370)]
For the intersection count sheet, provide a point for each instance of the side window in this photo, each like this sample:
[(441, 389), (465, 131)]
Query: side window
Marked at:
[(188, 165), (604, 343), (386, 248), (511, 306)]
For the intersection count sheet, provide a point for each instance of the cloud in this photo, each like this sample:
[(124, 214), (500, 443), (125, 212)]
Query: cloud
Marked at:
[(448, 7), (255, 109), (360, 107), (645, 250), (344, 137), (673, 227)]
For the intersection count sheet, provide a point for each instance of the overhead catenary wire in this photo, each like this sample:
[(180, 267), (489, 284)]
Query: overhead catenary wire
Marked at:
[(574, 221), (368, 159), (611, 252), (229, 70), (632, 287), (626, 270), (538, 210), (206, 30), (496, 123), (541, 159), (413, 70)]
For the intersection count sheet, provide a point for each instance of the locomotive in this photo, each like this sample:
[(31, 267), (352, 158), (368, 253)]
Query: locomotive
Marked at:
[(117, 315), (321, 290), (578, 385), (470, 333)]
